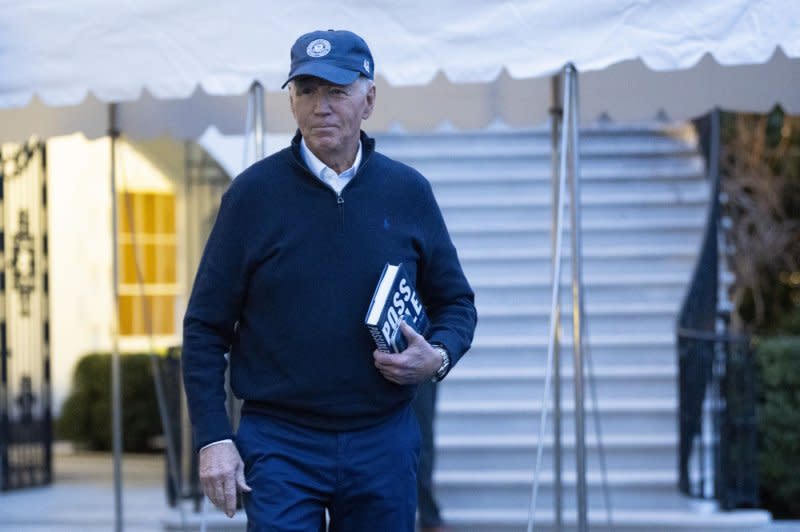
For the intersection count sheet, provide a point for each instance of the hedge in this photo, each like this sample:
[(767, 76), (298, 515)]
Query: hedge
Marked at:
[(86, 414), (779, 425)]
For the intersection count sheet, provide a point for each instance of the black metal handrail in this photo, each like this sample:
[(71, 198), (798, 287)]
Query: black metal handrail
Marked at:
[(717, 388)]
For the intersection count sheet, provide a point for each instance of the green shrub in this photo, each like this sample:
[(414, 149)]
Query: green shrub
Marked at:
[(789, 324), (86, 414), (779, 425)]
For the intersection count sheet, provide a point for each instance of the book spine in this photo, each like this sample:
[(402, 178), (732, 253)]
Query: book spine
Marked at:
[(380, 341)]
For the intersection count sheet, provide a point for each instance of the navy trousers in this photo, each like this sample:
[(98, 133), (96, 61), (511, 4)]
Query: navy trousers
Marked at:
[(364, 479)]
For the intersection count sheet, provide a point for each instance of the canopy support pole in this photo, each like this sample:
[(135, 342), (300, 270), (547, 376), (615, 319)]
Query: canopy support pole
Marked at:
[(255, 123), (116, 382), (259, 125)]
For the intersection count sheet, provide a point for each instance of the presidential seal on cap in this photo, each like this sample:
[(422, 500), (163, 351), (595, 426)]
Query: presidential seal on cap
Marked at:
[(337, 56)]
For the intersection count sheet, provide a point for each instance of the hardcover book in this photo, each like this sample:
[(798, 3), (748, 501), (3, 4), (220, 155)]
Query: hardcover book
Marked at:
[(395, 299)]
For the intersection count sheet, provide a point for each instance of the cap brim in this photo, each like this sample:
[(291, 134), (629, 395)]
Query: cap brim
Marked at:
[(333, 74)]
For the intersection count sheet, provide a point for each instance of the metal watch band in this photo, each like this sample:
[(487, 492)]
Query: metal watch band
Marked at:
[(442, 371)]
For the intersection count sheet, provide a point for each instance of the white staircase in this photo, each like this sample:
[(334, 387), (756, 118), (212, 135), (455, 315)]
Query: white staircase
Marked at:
[(643, 209)]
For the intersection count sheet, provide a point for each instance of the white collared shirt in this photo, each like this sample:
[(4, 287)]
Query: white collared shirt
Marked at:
[(325, 173)]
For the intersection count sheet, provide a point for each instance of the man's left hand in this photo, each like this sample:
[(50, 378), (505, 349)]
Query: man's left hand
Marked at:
[(418, 362)]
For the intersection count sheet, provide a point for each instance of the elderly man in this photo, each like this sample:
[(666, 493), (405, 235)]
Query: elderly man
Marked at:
[(284, 284)]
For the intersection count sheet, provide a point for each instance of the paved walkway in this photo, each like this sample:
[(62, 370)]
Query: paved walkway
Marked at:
[(81, 498)]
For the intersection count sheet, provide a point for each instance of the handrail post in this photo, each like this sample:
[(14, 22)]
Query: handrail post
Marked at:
[(567, 167), (577, 300)]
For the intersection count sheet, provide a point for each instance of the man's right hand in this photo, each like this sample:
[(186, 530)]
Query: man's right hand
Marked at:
[(222, 475), (417, 363)]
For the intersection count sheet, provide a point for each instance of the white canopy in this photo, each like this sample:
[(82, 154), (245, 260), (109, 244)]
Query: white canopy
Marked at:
[(182, 65)]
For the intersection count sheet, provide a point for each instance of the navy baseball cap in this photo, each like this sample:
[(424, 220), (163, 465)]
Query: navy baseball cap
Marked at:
[(338, 56)]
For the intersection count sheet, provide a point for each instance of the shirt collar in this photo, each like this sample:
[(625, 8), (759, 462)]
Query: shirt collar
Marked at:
[(317, 167)]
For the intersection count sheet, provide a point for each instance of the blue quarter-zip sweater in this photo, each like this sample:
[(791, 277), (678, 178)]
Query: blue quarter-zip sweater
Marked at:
[(284, 285)]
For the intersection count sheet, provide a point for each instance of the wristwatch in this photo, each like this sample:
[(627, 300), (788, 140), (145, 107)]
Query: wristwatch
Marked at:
[(445, 367)]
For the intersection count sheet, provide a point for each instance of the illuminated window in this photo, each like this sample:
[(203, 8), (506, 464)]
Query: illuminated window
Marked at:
[(147, 238)]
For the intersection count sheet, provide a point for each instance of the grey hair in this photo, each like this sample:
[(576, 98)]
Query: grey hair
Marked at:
[(364, 83)]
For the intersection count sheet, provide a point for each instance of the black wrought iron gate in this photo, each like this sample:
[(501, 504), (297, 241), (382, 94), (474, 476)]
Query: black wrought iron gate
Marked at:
[(25, 409)]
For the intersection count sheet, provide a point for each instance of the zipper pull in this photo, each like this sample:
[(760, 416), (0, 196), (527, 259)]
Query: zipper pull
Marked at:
[(340, 204)]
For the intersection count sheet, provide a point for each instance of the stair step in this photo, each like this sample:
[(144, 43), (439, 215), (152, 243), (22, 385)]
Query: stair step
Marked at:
[(468, 519), (521, 167), (622, 452), (606, 350), (450, 187), (674, 258), (592, 308), (535, 142), (654, 251), (606, 293), (470, 235), (588, 226), (527, 384), (511, 489), (598, 287), (521, 316), (492, 213), (598, 279), (600, 324), (520, 417), (590, 266), (607, 199)]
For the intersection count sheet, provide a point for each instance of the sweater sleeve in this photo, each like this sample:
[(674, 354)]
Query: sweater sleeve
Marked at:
[(449, 299), (210, 320)]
